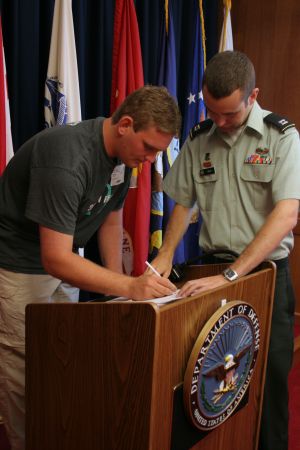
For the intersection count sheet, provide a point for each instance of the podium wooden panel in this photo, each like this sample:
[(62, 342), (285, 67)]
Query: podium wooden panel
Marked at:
[(100, 376)]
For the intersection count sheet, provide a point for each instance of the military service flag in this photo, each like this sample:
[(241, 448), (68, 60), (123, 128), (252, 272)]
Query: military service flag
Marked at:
[(162, 205), (127, 76), (192, 105), (62, 98)]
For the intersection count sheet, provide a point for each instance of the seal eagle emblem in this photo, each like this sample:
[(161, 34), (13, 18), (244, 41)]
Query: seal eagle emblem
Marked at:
[(221, 365)]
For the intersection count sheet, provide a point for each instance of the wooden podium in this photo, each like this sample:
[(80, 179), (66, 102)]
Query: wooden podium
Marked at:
[(102, 376)]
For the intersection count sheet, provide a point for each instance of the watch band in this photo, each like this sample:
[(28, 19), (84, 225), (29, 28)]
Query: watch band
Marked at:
[(230, 274)]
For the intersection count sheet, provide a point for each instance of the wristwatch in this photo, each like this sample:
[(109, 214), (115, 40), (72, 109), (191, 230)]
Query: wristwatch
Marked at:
[(230, 274)]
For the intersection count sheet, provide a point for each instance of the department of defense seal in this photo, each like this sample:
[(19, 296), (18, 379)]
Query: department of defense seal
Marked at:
[(221, 365)]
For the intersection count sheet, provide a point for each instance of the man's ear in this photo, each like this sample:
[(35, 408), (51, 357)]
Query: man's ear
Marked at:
[(253, 96), (124, 124)]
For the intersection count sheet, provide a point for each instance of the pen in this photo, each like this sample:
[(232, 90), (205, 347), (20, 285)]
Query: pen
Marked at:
[(152, 268)]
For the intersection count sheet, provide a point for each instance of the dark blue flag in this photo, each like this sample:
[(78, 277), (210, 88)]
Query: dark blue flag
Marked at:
[(162, 205), (192, 108), (191, 99), (193, 62)]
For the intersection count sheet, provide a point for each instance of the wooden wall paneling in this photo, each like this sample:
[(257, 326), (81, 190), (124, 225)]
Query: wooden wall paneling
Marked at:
[(268, 32)]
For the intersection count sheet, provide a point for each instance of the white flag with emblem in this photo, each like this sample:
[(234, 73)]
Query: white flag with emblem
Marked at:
[(62, 98)]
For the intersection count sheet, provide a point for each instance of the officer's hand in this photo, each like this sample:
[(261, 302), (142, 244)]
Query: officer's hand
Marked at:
[(163, 264), (200, 285)]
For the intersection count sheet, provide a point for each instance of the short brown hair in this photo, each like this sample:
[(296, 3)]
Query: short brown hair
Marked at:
[(151, 106), (228, 71)]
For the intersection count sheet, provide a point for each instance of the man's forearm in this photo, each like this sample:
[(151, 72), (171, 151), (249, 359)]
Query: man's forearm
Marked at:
[(110, 238), (85, 274), (278, 224), (177, 226), (59, 261)]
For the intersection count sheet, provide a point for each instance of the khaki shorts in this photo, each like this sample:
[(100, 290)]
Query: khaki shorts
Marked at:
[(16, 291)]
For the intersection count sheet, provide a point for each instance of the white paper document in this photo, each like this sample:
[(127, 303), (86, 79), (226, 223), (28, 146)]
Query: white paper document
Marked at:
[(158, 301), (166, 299)]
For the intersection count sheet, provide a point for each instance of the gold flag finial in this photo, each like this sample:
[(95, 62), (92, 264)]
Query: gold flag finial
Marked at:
[(203, 31), (227, 8), (167, 15)]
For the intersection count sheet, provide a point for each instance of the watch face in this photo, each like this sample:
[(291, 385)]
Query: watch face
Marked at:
[(230, 274)]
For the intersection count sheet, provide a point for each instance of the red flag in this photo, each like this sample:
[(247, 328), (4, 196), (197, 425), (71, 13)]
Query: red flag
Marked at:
[(6, 148), (127, 76)]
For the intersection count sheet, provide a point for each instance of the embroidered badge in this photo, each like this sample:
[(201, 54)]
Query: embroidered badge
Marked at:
[(262, 151), (207, 161), (208, 168)]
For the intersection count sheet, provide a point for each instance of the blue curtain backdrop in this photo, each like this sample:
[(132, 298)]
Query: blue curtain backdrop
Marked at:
[(27, 31)]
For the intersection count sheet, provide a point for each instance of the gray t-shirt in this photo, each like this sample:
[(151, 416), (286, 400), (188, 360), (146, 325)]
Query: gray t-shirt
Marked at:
[(63, 179)]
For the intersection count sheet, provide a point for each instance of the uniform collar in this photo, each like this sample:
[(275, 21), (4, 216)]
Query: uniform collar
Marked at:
[(254, 121), (256, 118)]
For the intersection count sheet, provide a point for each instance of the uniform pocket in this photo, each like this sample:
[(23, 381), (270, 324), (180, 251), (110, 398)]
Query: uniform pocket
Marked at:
[(205, 186), (259, 177)]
